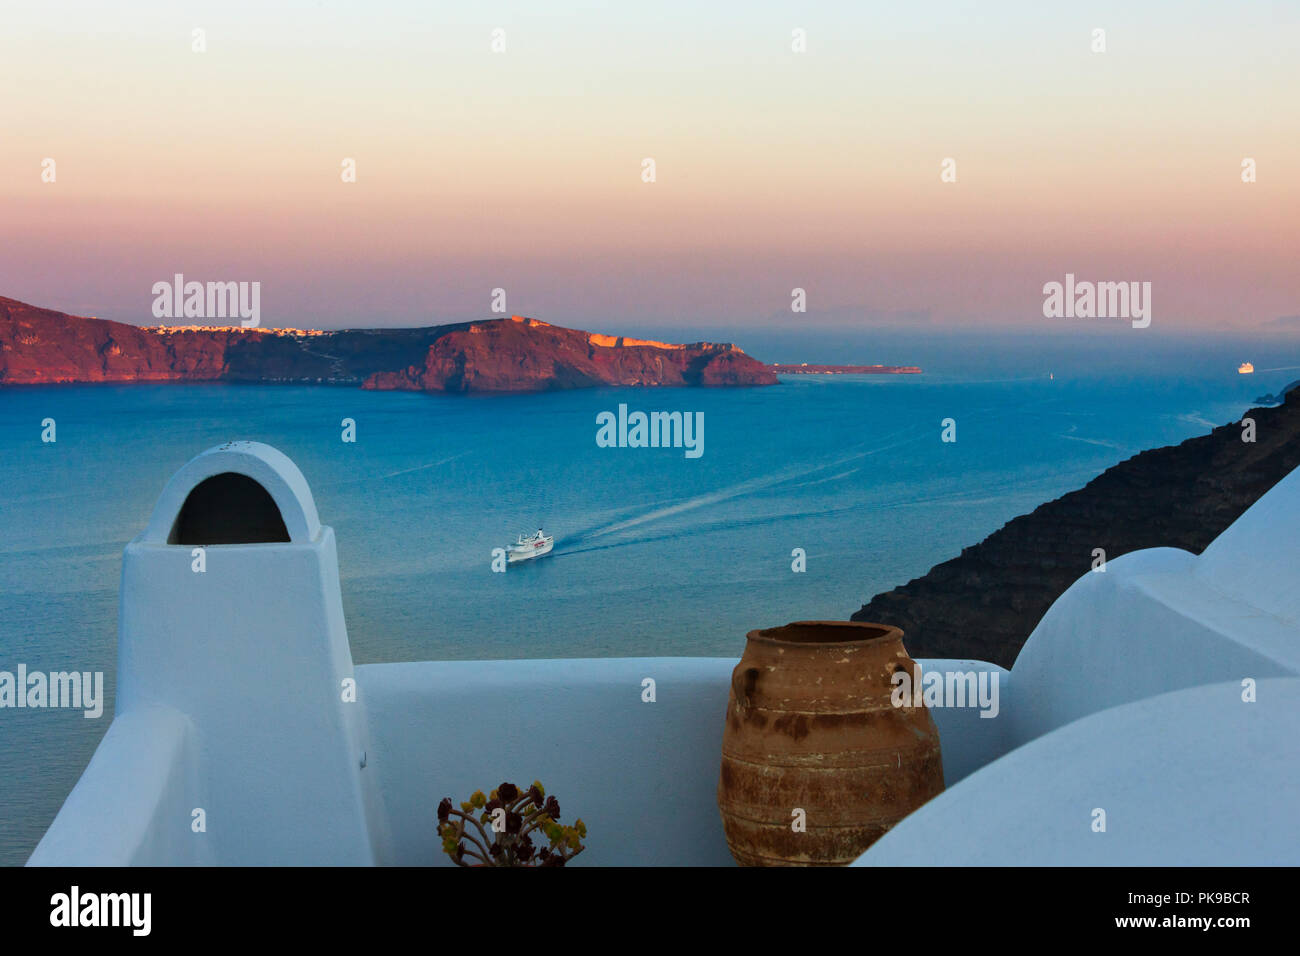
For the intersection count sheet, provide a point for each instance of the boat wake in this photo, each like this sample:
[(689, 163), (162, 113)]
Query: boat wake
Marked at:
[(394, 474), (722, 525), (593, 538), (432, 464)]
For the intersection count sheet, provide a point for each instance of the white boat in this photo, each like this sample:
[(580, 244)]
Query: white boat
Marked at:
[(526, 548)]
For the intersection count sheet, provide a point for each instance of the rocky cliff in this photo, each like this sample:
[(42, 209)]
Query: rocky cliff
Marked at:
[(984, 603), (41, 346), (522, 354)]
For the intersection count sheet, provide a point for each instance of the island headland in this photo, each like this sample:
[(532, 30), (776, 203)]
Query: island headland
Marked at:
[(517, 354)]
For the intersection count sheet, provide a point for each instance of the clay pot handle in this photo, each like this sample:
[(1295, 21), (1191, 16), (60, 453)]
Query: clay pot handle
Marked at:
[(743, 684)]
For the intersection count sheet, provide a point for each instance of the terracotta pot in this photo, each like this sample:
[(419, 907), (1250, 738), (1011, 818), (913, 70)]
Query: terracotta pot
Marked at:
[(811, 727)]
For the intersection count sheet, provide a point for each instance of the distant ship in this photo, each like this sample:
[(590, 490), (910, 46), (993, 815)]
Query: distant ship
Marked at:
[(1245, 368), (525, 549)]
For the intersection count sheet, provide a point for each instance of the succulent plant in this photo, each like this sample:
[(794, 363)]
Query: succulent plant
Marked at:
[(498, 829)]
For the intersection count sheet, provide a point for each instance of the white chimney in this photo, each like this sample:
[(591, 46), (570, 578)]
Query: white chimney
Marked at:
[(231, 614)]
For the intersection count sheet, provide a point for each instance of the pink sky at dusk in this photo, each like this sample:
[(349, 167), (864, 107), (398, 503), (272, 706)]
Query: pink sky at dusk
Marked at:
[(775, 170)]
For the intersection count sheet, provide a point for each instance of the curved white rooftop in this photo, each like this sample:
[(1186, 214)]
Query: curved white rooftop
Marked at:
[(1196, 777)]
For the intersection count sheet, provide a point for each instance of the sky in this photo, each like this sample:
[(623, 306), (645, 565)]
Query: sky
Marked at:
[(774, 169)]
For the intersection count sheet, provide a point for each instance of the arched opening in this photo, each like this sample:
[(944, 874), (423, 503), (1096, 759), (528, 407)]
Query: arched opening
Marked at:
[(228, 509)]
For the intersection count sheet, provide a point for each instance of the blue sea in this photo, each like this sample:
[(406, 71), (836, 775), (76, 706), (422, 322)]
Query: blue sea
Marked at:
[(656, 553)]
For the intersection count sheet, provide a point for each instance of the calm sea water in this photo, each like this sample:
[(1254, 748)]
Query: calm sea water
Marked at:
[(656, 553)]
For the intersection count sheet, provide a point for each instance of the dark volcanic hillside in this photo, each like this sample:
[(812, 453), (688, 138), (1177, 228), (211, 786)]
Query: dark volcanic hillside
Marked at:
[(984, 603), (41, 346)]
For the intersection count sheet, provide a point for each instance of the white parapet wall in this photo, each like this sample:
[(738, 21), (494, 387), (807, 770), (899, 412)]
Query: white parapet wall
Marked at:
[(132, 805), (641, 773)]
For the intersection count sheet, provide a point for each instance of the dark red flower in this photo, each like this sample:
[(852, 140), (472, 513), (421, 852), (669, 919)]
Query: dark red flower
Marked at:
[(444, 809), (552, 808), (508, 792), (514, 822)]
